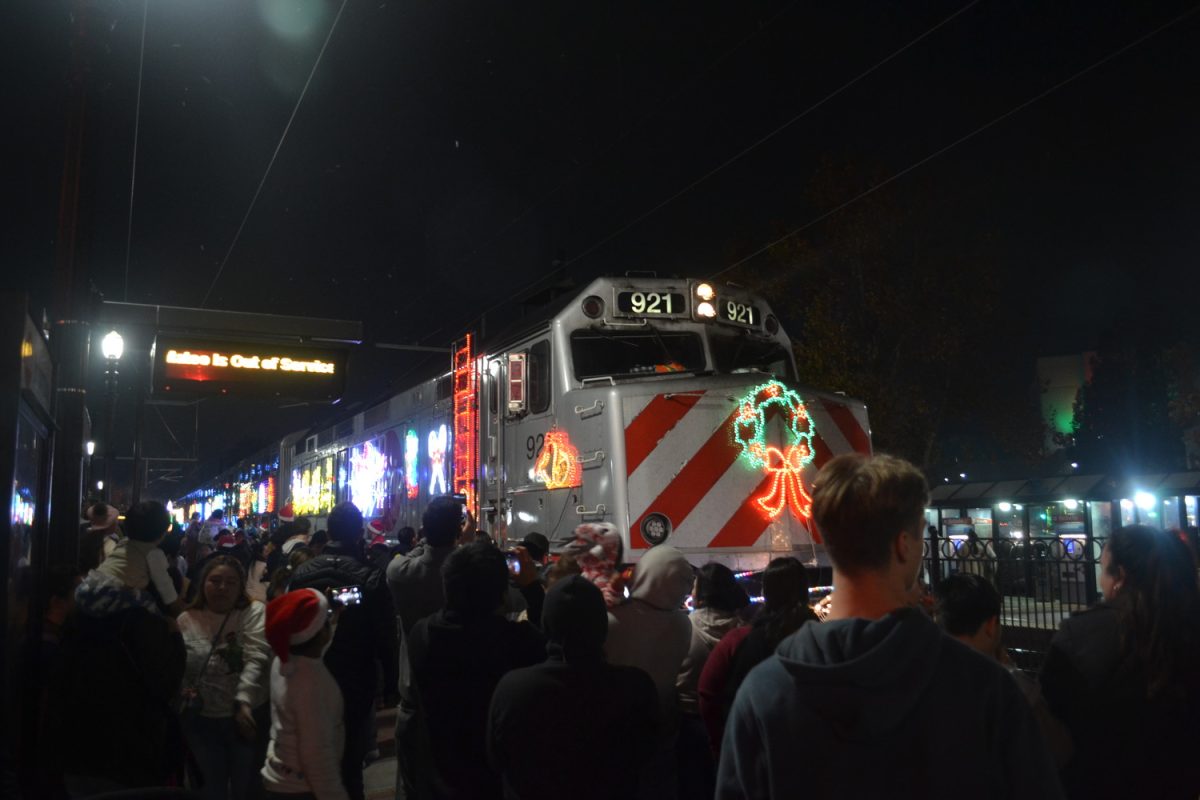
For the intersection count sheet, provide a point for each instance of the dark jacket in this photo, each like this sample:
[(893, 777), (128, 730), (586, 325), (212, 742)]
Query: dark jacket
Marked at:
[(1099, 692), (366, 633), (874, 708), (456, 665), (605, 714), (534, 595), (112, 701), (91, 549), (608, 714), (756, 648)]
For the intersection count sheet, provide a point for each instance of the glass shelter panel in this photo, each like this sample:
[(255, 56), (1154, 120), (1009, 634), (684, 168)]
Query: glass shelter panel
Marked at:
[(981, 519), (1128, 512), (1170, 513)]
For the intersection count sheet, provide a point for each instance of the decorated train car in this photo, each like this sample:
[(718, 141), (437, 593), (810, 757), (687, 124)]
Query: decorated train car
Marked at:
[(668, 407), (248, 488)]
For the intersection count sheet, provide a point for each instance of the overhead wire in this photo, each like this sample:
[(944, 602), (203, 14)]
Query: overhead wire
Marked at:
[(274, 155), (946, 148), (655, 109), (742, 153), (170, 432), (137, 119), (767, 137)]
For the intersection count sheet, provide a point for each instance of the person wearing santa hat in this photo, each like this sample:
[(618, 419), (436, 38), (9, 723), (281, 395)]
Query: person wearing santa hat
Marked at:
[(292, 532), (304, 757), (366, 641), (378, 552)]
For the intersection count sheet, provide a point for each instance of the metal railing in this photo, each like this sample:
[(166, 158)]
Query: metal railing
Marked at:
[(1042, 581)]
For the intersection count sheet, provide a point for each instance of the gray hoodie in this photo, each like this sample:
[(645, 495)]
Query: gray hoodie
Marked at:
[(651, 631), (890, 707)]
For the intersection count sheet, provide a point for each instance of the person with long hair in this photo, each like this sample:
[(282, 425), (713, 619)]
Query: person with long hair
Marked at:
[(223, 630), (718, 600), (785, 609), (281, 576), (1124, 675)]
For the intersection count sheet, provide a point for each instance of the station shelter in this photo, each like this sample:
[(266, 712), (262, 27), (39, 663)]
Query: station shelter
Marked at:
[(1039, 540)]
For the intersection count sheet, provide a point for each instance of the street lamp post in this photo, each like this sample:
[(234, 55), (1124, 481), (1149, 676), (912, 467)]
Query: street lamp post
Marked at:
[(87, 481), (112, 346)]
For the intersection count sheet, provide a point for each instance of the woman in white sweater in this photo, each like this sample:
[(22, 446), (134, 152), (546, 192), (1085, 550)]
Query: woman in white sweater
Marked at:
[(226, 678)]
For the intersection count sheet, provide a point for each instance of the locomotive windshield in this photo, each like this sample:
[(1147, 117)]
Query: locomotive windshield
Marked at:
[(734, 354), (599, 354)]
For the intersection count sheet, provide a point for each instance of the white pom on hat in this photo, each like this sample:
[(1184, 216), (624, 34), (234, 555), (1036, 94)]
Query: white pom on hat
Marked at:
[(295, 618)]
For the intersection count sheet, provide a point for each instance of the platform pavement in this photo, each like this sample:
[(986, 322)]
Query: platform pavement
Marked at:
[(379, 778)]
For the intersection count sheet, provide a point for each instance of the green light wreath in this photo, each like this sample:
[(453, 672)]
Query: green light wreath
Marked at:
[(786, 465), (750, 425)]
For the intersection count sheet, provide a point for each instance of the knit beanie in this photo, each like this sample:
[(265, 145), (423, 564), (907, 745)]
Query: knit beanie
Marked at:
[(295, 618), (575, 618)]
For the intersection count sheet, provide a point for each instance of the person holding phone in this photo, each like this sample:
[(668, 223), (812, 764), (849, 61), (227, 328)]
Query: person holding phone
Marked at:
[(526, 590), (365, 639), (227, 658)]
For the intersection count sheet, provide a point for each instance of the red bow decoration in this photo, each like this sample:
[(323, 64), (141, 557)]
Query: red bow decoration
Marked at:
[(787, 488)]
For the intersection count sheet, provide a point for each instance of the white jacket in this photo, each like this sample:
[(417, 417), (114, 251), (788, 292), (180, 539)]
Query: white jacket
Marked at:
[(307, 733), (237, 669), (708, 626), (135, 564)]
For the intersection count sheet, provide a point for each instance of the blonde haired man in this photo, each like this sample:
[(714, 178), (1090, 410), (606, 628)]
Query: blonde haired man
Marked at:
[(877, 701)]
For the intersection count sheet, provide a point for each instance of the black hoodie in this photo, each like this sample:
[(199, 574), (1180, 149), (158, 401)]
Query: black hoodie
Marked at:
[(456, 663), (889, 707), (606, 716)]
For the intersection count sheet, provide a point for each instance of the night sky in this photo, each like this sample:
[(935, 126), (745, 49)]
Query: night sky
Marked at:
[(447, 154)]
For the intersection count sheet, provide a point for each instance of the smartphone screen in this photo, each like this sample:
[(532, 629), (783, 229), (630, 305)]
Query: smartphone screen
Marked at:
[(514, 563), (347, 595)]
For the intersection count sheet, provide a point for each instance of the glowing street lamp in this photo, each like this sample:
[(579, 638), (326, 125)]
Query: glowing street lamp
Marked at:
[(113, 347)]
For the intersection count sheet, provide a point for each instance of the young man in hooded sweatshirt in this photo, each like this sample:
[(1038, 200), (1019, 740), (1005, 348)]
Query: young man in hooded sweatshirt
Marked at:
[(652, 632), (878, 701)]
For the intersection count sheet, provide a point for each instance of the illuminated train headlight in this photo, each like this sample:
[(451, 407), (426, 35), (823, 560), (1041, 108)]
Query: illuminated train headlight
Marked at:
[(705, 291), (706, 309), (656, 528)]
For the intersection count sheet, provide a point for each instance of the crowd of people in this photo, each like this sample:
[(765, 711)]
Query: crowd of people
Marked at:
[(248, 659)]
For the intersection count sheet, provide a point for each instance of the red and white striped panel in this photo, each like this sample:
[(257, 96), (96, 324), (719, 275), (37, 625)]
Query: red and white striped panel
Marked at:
[(682, 461)]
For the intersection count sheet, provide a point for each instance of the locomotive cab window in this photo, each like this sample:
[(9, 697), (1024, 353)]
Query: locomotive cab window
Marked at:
[(598, 354), (539, 377), (740, 353)]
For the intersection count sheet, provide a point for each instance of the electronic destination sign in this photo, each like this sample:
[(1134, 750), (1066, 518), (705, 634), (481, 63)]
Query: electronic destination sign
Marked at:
[(213, 366)]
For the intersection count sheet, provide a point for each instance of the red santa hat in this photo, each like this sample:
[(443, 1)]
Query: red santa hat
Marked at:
[(295, 618), (229, 538), (287, 514), (376, 528)]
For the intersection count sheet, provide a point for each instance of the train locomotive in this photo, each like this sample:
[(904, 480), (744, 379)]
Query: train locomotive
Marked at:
[(668, 407)]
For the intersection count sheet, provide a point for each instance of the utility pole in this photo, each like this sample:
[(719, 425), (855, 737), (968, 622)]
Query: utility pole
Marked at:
[(71, 328), (138, 461)]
